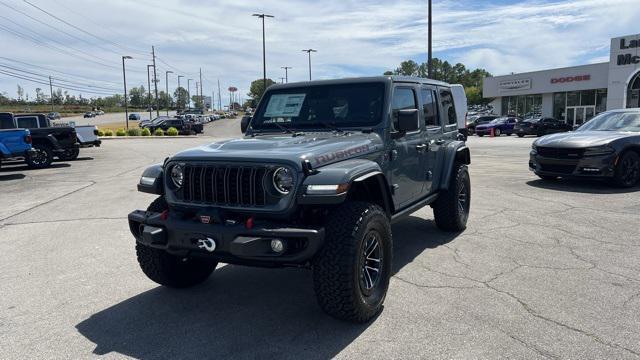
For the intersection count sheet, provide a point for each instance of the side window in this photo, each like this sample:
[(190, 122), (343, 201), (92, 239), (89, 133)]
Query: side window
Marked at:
[(43, 122), (448, 109), (430, 108), (403, 98), (6, 121)]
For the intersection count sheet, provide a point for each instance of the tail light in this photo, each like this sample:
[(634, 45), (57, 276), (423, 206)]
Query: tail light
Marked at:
[(28, 139), (466, 124)]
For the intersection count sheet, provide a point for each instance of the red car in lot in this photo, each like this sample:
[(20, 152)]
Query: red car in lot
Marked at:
[(499, 126)]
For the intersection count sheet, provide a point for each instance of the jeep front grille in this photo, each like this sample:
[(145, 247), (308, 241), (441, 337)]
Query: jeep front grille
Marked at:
[(236, 186)]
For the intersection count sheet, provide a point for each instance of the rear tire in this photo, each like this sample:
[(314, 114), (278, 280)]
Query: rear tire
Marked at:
[(69, 154), (352, 270), (42, 157), (497, 132), (520, 135), (451, 209), (170, 270), (627, 173)]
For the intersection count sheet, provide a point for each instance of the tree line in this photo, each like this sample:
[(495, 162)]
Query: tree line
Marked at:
[(452, 74)]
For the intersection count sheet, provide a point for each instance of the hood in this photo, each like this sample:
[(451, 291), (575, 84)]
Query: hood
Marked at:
[(580, 139), (321, 148)]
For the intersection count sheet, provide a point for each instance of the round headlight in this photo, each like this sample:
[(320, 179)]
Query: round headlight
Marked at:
[(177, 175), (283, 180)]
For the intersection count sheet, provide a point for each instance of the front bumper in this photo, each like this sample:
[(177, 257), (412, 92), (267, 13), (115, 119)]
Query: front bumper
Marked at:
[(586, 167), (234, 243), (88, 144)]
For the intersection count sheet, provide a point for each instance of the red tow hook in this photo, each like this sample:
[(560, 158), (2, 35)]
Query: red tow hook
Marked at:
[(249, 223), (164, 215)]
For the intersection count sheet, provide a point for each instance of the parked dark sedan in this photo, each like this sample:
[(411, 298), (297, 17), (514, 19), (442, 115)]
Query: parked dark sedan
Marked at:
[(541, 126), (89, 114), (606, 147), (499, 126)]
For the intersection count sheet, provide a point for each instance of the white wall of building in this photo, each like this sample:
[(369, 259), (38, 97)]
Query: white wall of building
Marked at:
[(620, 75)]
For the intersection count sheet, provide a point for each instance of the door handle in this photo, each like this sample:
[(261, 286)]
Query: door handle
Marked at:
[(439, 142)]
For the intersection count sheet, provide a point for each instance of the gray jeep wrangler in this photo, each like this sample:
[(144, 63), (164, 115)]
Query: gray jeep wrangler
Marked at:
[(323, 170)]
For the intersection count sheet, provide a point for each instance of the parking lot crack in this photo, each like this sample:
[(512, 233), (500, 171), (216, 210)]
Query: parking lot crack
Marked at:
[(435, 286), (91, 183)]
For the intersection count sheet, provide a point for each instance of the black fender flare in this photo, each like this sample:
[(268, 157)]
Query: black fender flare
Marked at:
[(456, 152)]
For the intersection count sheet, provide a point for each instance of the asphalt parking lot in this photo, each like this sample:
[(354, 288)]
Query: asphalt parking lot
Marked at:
[(544, 270)]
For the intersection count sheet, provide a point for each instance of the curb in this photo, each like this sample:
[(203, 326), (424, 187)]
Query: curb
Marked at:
[(154, 137)]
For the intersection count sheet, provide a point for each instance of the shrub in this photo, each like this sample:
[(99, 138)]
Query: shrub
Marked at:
[(172, 131), (121, 132), (100, 132), (133, 132), (145, 132), (108, 132), (158, 132)]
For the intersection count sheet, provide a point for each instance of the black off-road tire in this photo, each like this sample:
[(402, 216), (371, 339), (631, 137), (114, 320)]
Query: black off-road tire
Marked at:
[(42, 159), (170, 270), (69, 154), (520, 135), (627, 173), (451, 209), (339, 278)]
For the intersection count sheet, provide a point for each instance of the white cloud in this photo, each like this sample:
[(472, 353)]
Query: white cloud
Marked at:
[(353, 37)]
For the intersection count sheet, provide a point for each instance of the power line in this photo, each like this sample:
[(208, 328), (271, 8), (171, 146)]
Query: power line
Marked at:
[(63, 80), (80, 29), (62, 86), (60, 72)]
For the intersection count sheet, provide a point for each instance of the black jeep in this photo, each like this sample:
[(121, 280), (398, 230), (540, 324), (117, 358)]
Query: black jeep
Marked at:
[(323, 170)]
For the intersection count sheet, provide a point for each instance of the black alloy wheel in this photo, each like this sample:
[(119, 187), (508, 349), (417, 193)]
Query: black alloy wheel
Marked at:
[(627, 172), (370, 263)]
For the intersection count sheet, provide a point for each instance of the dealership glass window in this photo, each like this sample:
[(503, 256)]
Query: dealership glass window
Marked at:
[(559, 105), (601, 100), (587, 97), (573, 98), (524, 106)]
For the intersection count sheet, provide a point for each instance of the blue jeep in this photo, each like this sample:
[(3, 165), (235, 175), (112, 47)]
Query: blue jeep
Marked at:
[(14, 144)]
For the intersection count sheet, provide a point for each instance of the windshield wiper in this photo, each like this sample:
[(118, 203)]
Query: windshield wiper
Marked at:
[(331, 125), (283, 128)]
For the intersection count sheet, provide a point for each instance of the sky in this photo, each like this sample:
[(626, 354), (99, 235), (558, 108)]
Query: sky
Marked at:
[(80, 42)]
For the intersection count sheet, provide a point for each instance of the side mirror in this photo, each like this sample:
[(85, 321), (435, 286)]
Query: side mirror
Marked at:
[(244, 123), (408, 120)]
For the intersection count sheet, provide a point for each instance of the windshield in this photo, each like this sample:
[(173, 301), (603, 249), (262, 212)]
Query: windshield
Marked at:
[(345, 105), (614, 121)]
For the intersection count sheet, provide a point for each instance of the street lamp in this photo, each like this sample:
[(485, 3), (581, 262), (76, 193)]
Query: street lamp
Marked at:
[(166, 73), (429, 58), (179, 92), (309, 51), (264, 52), (286, 72), (124, 79), (149, 93), (189, 92)]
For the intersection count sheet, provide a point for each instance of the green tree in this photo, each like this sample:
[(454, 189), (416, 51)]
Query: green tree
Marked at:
[(182, 97), (408, 68), (257, 89), (138, 97)]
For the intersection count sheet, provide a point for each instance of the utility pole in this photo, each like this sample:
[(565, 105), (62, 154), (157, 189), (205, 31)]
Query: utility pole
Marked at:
[(179, 92), (155, 79), (201, 96), (51, 87), (167, 84), (282, 80), (149, 93), (264, 51), (309, 51), (430, 60), (219, 97), (286, 72), (189, 91), (197, 96), (124, 79)]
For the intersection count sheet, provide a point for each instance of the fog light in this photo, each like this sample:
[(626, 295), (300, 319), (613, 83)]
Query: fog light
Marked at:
[(277, 246)]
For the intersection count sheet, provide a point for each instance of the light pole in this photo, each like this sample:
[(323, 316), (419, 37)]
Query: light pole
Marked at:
[(264, 52), (179, 92), (166, 74), (189, 92), (429, 59), (309, 51), (124, 79), (149, 93), (286, 72)]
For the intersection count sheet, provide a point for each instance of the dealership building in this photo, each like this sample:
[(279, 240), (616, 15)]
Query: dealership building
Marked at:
[(572, 94)]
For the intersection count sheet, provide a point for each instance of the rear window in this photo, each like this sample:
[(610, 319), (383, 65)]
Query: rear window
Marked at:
[(6, 121), (29, 122)]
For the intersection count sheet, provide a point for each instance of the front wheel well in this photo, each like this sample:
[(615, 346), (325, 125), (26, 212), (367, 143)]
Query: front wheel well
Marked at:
[(373, 189)]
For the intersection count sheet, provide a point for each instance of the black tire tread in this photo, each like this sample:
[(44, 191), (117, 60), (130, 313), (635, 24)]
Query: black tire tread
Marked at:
[(333, 270), (45, 148), (445, 209)]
